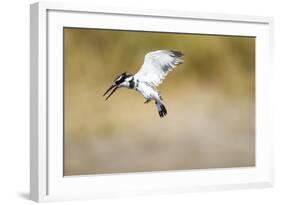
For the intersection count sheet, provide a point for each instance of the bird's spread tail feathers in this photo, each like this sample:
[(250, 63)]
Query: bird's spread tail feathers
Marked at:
[(161, 109)]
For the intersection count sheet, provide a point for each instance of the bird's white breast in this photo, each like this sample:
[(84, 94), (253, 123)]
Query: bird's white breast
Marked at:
[(147, 91)]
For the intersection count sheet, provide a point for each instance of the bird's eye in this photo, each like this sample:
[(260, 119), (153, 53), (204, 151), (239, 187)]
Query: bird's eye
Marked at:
[(119, 80)]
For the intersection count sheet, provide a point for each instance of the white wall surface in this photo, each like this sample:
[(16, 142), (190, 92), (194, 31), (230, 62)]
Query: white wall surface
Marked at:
[(14, 103)]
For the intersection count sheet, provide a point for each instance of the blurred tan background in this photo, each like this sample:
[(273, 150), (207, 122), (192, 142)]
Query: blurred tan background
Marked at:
[(210, 100)]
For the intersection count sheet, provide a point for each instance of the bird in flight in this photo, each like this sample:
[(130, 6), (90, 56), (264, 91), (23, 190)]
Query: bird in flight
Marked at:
[(155, 68)]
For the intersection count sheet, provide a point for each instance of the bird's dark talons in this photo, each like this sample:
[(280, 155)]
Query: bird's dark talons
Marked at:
[(147, 101)]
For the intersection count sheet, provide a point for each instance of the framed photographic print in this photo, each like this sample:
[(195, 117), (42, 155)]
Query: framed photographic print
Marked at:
[(128, 102)]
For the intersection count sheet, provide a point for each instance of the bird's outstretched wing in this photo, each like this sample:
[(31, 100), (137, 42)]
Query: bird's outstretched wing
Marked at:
[(157, 65)]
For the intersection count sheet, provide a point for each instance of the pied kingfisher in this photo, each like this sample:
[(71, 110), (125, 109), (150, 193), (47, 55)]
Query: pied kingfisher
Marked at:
[(155, 68)]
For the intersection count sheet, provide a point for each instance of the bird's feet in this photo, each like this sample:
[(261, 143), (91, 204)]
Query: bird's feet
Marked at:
[(147, 101)]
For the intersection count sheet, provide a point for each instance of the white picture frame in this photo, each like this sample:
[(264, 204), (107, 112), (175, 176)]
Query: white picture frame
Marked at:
[(47, 182)]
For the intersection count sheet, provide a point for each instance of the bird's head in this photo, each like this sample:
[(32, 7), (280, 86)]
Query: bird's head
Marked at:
[(119, 81)]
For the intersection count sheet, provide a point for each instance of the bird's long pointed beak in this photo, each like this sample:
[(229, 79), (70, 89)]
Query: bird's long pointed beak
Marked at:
[(111, 87)]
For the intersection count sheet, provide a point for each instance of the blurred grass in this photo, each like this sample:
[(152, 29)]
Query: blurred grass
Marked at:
[(210, 101)]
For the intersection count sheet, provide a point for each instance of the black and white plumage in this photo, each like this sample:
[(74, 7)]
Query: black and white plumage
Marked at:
[(156, 66)]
